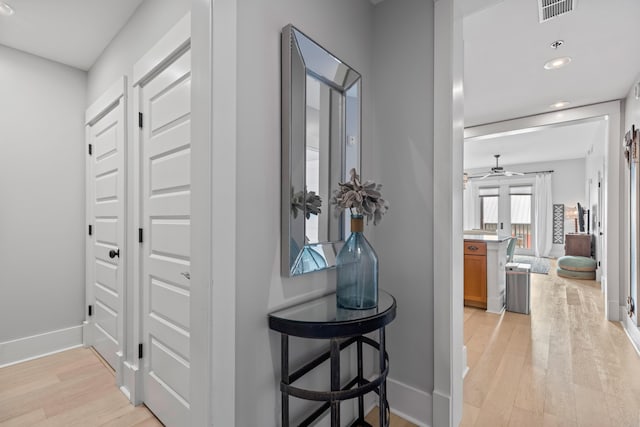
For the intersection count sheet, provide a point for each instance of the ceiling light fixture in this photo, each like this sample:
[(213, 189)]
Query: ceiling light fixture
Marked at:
[(559, 104), (556, 63), (5, 9)]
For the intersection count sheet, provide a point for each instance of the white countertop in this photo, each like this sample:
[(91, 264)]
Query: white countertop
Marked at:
[(485, 237)]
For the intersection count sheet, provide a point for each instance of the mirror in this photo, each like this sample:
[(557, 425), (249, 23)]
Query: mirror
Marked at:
[(321, 126)]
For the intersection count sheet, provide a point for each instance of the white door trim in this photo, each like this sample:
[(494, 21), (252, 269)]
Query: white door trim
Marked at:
[(104, 103), (448, 365), (213, 241), (114, 95), (168, 47)]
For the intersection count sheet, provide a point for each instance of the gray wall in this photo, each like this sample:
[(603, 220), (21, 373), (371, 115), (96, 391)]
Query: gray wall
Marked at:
[(344, 28), (391, 45), (42, 187), (147, 25), (403, 150)]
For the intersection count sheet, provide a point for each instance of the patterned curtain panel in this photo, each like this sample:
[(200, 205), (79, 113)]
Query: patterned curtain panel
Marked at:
[(558, 224)]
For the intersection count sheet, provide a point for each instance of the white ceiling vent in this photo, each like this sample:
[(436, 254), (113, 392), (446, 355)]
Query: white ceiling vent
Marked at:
[(549, 9)]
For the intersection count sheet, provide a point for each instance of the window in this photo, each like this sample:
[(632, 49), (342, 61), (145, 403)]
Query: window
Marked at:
[(489, 198), (521, 215)]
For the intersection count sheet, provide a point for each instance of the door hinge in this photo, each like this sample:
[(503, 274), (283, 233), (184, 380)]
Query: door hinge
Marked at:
[(598, 185), (90, 230), (140, 120), (90, 149), (598, 263), (140, 351), (139, 235), (90, 310)]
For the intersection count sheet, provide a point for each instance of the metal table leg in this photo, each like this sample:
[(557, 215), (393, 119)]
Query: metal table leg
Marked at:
[(383, 386), (360, 380), (284, 377), (335, 381)]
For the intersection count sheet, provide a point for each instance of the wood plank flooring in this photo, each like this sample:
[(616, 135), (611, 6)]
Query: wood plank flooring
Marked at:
[(72, 388), (564, 365), (395, 421)]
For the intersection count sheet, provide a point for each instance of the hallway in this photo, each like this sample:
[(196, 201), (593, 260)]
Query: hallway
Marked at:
[(564, 365)]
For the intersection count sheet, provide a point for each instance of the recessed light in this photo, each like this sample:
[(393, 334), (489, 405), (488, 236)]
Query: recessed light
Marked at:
[(556, 63), (559, 104), (5, 9)]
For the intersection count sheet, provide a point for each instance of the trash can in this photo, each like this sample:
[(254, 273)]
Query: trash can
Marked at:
[(518, 296)]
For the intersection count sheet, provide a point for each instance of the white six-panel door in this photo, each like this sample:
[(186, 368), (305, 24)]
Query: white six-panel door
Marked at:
[(164, 101), (106, 134)]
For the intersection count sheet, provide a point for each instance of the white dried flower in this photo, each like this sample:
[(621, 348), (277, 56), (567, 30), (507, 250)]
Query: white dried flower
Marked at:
[(307, 202), (364, 199)]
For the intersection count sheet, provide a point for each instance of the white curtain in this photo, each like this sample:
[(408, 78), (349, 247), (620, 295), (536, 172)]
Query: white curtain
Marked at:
[(543, 215), (470, 220)]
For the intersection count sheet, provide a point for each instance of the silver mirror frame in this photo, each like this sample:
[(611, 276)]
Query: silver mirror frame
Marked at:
[(302, 57)]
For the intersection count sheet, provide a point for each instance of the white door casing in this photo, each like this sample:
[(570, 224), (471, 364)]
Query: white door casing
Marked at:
[(163, 97), (106, 203)]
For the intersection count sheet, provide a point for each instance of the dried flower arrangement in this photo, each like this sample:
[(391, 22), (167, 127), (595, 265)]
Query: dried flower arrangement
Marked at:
[(363, 199), (307, 202)]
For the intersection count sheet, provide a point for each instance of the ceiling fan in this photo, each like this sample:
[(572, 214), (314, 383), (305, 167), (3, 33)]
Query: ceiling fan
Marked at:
[(498, 170)]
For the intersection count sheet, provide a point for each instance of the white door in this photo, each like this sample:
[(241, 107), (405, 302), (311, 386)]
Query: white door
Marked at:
[(165, 155), (106, 194)]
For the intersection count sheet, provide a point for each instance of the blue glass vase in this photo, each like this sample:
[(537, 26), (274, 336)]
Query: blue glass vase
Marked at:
[(357, 270)]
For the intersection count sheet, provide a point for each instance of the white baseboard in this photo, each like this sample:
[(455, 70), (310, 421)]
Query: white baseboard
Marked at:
[(406, 401), (35, 346), (87, 334), (132, 383), (632, 331), (613, 311), (495, 307)]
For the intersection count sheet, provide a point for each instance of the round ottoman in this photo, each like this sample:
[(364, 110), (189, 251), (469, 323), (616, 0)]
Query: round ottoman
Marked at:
[(577, 267)]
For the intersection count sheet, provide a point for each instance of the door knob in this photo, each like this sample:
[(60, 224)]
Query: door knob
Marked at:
[(113, 253)]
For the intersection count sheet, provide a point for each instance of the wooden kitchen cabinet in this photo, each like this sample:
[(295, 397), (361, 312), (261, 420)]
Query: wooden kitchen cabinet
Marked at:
[(475, 274), (578, 245)]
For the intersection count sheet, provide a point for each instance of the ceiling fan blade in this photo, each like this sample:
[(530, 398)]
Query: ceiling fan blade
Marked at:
[(517, 173)]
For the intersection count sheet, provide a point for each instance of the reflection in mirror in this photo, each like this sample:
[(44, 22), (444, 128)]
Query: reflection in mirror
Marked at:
[(320, 144)]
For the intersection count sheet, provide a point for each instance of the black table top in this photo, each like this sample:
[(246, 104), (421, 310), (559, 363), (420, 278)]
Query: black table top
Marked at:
[(322, 318)]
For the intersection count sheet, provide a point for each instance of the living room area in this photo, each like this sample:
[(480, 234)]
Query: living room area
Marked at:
[(554, 359)]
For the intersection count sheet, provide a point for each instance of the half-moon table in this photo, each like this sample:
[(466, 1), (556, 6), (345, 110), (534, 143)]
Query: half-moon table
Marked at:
[(322, 319)]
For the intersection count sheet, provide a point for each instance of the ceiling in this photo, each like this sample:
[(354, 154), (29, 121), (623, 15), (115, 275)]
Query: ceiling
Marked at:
[(506, 48), (73, 32), (570, 141)]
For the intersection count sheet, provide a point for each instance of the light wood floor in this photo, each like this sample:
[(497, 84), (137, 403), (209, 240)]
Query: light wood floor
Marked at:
[(395, 421), (564, 365), (72, 388)]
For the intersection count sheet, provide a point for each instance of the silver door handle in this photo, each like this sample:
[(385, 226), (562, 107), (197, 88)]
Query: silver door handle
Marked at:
[(186, 275)]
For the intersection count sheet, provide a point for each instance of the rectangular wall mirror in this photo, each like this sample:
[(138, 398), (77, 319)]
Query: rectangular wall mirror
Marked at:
[(321, 127)]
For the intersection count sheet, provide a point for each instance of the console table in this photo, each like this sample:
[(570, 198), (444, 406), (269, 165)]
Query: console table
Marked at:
[(322, 319)]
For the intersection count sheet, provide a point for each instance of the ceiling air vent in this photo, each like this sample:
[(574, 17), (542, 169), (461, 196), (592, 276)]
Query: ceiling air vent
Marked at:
[(549, 9)]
